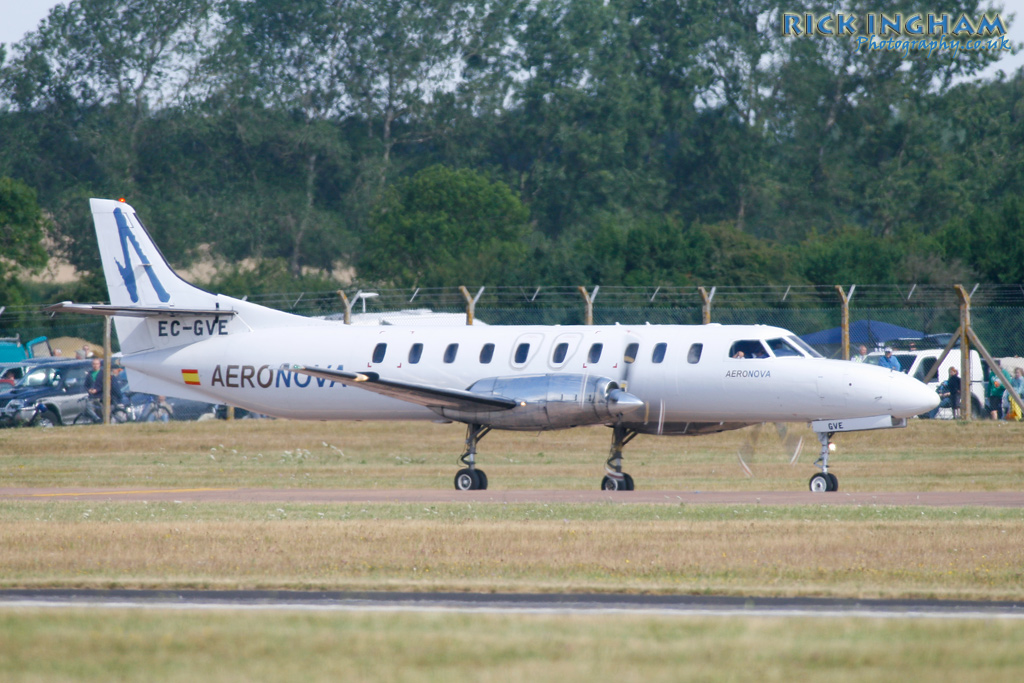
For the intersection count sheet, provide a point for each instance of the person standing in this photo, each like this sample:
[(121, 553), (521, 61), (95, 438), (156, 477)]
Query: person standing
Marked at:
[(94, 390), (862, 353), (994, 391), (949, 394)]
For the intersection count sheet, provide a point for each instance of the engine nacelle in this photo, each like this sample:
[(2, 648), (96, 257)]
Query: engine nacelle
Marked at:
[(552, 402)]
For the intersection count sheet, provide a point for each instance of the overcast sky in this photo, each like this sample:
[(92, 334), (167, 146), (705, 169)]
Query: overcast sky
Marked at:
[(18, 17)]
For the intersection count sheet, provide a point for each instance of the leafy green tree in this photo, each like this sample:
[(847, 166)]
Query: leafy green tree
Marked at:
[(851, 255), (445, 227), (989, 241), (22, 228)]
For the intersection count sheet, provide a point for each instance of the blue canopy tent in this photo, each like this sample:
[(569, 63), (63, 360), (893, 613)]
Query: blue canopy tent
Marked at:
[(871, 333)]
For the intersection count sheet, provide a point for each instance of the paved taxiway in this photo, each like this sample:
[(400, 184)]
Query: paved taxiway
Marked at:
[(510, 603), (1011, 499)]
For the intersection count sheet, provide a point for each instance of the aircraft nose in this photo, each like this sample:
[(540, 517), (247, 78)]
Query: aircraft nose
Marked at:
[(909, 397), (625, 404)]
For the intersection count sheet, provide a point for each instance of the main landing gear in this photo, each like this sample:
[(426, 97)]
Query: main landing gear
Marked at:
[(824, 480), (615, 479), (470, 478)]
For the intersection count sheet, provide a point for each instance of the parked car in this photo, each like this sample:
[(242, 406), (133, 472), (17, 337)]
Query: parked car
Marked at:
[(918, 363), (48, 394)]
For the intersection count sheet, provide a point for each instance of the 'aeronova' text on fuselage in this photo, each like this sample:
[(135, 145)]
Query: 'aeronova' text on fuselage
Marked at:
[(264, 377), (752, 374)]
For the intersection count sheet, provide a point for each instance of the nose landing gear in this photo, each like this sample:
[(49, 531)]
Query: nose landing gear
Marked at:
[(824, 480)]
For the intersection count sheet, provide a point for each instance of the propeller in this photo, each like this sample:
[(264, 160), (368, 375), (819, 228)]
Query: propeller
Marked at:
[(791, 442)]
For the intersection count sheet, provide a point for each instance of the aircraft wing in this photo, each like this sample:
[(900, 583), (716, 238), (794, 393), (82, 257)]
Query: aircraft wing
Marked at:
[(133, 311), (420, 394)]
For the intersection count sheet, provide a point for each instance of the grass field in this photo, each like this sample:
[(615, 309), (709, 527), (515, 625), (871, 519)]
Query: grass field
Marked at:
[(927, 456), (147, 645), (866, 551)]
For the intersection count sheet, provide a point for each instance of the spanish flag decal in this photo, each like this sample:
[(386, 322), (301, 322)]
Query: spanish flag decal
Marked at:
[(190, 376)]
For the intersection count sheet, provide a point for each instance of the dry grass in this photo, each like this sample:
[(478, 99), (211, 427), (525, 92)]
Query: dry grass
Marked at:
[(865, 552), (767, 552), (176, 646), (927, 456), (842, 551)]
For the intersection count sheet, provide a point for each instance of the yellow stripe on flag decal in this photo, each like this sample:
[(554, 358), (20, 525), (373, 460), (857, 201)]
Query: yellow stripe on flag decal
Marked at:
[(190, 376)]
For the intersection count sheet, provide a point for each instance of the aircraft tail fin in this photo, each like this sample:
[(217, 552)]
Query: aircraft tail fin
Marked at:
[(136, 272), (152, 306)]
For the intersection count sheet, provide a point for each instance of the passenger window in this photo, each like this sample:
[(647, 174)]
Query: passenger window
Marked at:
[(379, 351), (558, 356), (522, 353), (487, 353), (659, 352), (415, 351), (449, 353), (631, 350), (595, 353), (693, 357)]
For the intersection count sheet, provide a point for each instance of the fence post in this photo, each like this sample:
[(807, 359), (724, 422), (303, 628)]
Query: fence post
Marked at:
[(588, 316), (965, 353), (106, 369), (707, 303), (470, 303), (845, 297), (348, 307)]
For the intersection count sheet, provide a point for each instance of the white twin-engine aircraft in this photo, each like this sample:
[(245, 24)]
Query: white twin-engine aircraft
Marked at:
[(181, 341)]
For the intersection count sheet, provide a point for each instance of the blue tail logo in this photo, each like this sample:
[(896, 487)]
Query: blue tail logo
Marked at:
[(124, 231)]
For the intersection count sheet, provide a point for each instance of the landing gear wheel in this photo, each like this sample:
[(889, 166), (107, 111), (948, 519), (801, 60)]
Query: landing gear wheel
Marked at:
[(833, 482), (467, 480), (612, 484), (482, 477), (820, 483), (616, 479)]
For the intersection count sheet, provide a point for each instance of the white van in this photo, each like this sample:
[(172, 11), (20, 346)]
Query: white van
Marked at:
[(918, 363)]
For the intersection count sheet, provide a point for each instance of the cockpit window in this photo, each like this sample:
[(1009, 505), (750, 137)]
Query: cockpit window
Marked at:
[(808, 349), (748, 348), (782, 348)]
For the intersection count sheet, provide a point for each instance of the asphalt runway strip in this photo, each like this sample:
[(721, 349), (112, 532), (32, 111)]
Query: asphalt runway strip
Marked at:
[(509, 603)]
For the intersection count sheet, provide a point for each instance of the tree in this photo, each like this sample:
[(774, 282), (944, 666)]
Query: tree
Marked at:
[(132, 56), (21, 234), (445, 227)]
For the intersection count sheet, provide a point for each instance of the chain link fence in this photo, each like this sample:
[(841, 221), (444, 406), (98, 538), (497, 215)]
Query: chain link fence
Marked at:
[(997, 311)]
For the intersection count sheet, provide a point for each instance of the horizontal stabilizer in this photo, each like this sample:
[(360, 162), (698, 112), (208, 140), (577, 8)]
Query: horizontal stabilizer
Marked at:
[(134, 311), (431, 397)]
